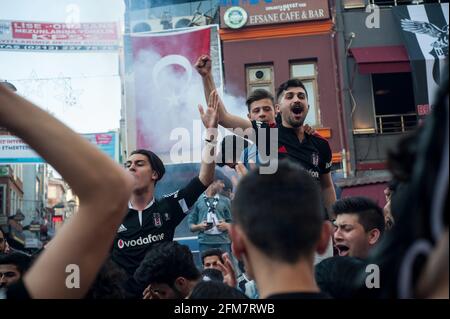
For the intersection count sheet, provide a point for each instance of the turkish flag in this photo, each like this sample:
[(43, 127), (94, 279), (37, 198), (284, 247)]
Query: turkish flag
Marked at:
[(167, 87)]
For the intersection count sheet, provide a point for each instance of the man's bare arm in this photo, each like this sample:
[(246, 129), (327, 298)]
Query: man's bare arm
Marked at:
[(227, 120), (102, 186)]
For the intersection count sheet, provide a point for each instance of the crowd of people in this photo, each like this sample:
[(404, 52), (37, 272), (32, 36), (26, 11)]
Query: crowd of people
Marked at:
[(281, 235)]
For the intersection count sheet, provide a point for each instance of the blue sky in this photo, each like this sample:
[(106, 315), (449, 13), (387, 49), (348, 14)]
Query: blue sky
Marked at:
[(81, 89)]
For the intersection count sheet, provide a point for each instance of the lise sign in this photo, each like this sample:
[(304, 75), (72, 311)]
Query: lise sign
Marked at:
[(276, 12), (39, 36)]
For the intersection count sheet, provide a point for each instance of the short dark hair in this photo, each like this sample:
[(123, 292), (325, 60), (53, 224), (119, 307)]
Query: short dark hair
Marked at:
[(282, 213), (215, 290), (257, 95), (212, 252), (164, 263), (338, 276), (212, 274), (370, 215), (292, 83), (20, 260), (109, 282), (154, 161)]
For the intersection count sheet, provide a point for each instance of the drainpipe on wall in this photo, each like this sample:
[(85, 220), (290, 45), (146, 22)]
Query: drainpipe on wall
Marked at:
[(345, 134)]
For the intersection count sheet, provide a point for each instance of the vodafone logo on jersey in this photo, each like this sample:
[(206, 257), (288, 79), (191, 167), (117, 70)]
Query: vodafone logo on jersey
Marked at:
[(140, 241)]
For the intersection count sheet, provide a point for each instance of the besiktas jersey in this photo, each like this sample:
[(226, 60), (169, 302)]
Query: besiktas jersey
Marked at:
[(139, 231), (313, 153)]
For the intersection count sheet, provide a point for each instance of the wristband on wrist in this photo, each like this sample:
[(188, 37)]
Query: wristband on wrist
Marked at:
[(214, 142)]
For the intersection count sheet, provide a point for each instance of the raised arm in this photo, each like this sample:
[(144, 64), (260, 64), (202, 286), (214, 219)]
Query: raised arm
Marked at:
[(102, 186), (227, 120), (210, 119)]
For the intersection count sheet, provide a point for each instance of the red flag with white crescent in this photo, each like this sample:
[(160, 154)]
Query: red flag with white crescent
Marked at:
[(167, 86)]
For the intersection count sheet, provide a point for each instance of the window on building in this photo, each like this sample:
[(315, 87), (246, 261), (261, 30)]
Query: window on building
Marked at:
[(395, 110), (307, 73), (351, 4), (2, 199), (260, 77)]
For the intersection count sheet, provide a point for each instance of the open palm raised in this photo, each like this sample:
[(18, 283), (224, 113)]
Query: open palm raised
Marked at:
[(210, 117)]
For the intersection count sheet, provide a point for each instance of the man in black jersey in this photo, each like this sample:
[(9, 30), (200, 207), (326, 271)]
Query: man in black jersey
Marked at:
[(149, 220), (309, 150)]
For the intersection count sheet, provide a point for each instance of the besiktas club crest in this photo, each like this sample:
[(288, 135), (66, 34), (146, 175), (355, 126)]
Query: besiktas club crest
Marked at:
[(157, 220)]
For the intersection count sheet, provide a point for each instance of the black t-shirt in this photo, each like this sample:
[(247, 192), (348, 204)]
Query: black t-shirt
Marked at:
[(18, 291), (313, 153), (159, 221), (300, 295)]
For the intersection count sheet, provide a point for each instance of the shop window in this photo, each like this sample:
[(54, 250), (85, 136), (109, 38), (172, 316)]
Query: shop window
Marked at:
[(352, 4), (393, 95), (260, 77), (307, 73)]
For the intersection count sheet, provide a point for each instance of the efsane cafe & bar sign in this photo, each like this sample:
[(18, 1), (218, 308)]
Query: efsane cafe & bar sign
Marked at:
[(275, 12)]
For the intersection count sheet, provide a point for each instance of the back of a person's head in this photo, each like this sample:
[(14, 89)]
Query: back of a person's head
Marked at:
[(154, 160), (212, 252), (164, 263), (109, 282), (338, 276), (215, 290), (212, 274), (20, 260), (282, 213), (370, 215)]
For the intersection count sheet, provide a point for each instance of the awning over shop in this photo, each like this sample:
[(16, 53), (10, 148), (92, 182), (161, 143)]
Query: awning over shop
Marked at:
[(385, 59)]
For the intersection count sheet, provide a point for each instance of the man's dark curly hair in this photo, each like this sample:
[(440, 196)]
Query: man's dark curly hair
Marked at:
[(164, 263), (109, 282)]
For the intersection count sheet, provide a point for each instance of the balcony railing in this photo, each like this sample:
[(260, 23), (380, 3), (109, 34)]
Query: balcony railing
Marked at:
[(396, 123)]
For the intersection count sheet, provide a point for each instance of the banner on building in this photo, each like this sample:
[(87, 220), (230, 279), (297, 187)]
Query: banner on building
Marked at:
[(48, 36), (237, 14), (107, 142), (15, 151), (168, 90), (425, 31)]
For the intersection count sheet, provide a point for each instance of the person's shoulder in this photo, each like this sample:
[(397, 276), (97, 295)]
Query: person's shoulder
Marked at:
[(260, 124), (224, 198), (318, 139), (300, 295)]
